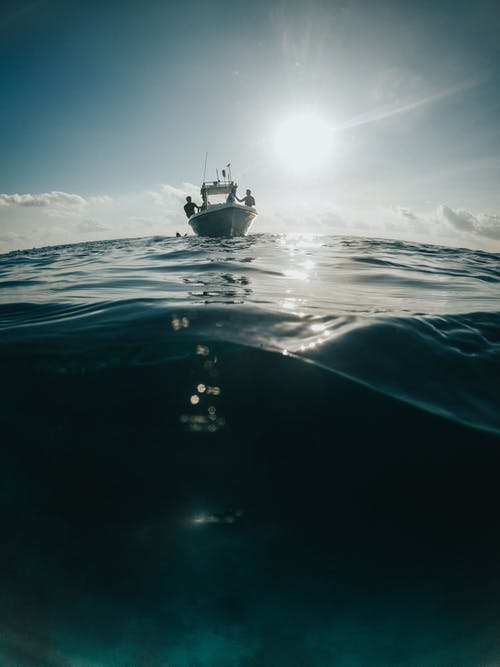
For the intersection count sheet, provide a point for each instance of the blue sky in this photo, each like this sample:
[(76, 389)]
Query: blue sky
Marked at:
[(116, 103)]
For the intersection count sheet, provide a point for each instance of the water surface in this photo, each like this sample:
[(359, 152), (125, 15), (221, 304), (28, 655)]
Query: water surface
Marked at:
[(276, 450)]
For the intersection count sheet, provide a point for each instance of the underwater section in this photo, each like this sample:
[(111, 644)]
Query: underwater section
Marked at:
[(207, 461)]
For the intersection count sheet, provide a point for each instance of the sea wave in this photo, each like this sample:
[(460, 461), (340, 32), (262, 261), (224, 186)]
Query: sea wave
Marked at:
[(419, 323), (269, 450)]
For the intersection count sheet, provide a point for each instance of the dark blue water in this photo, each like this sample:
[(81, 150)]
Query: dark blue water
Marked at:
[(271, 451)]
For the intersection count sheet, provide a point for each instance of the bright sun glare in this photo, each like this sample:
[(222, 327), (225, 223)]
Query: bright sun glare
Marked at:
[(304, 142)]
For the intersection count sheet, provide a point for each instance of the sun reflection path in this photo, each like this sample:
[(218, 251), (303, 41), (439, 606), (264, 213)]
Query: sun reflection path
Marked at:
[(322, 332), (296, 274), (299, 291), (307, 296)]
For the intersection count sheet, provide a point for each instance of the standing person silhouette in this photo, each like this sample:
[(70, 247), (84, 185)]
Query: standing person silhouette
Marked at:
[(189, 207), (231, 198), (248, 199)]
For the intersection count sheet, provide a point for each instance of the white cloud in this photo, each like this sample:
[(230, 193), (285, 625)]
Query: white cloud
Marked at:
[(91, 225), (172, 198), (102, 199), (404, 219), (25, 219), (489, 226), (405, 214), (46, 199), (54, 204), (459, 219), (480, 224)]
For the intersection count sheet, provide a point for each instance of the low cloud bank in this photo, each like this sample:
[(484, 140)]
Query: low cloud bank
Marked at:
[(92, 226), (170, 196), (46, 199), (25, 219), (51, 199), (482, 225)]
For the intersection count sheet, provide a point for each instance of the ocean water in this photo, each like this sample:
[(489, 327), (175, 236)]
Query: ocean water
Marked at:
[(258, 452)]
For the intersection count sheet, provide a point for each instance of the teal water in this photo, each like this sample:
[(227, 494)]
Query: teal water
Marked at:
[(277, 450)]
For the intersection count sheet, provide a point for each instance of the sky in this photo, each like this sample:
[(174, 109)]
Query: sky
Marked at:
[(353, 117)]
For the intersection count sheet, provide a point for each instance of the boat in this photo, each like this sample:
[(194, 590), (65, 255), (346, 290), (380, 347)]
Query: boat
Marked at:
[(221, 219)]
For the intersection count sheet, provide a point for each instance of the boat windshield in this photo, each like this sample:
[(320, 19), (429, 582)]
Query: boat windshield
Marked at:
[(217, 188)]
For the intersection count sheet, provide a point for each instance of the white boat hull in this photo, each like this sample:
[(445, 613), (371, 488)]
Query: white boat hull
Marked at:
[(219, 220)]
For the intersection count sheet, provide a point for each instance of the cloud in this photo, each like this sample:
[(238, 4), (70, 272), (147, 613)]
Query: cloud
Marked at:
[(55, 204), (441, 225), (460, 219), (406, 213), (489, 226), (46, 199), (482, 224), (25, 218), (101, 199), (91, 226), (171, 197), (403, 221)]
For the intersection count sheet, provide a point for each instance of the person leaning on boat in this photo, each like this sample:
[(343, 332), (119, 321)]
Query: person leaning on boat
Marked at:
[(189, 207), (248, 199)]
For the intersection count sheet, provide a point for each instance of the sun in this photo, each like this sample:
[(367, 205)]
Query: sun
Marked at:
[(303, 142)]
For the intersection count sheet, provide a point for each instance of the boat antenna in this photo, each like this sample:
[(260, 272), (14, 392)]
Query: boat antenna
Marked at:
[(229, 168), (205, 167), (217, 174)]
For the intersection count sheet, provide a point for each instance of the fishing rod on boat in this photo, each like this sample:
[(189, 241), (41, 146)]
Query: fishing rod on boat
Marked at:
[(205, 167)]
